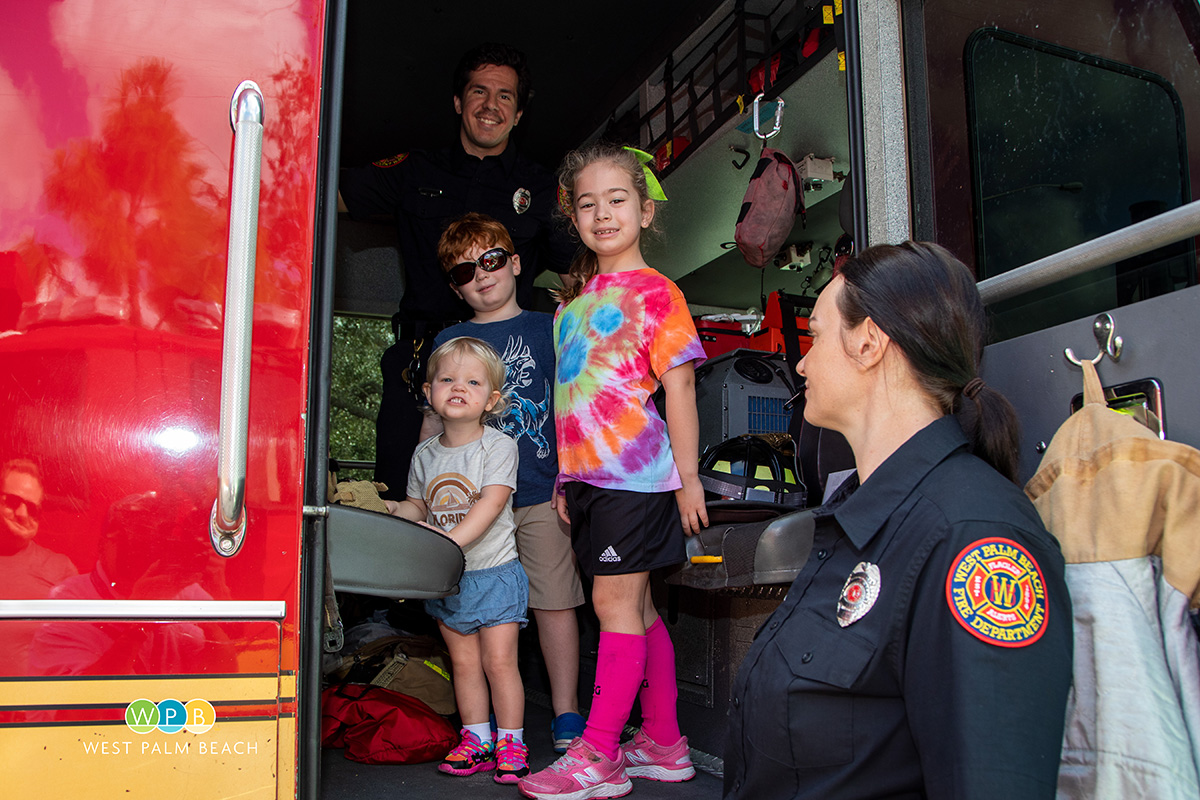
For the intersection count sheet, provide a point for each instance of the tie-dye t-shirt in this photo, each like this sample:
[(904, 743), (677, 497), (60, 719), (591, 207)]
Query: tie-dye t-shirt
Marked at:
[(614, 342)]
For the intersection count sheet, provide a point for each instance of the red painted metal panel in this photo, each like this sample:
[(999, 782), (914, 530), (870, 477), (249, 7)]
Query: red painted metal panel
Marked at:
[(113, 230)]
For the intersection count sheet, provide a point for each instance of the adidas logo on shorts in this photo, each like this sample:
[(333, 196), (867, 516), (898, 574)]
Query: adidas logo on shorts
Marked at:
[(609, 554)]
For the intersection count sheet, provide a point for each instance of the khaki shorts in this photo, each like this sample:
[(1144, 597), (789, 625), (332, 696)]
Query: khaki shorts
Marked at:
[(544, 545)]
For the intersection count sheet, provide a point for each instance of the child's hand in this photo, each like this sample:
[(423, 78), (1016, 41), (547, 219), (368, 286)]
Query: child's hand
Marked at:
[(393, 507), (559, 503), (693, 513)]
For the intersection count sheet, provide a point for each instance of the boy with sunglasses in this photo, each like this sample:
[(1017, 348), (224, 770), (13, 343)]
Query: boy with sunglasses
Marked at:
[(477, 255)]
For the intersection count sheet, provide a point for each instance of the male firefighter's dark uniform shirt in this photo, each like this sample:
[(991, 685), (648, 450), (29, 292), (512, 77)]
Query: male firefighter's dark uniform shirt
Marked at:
[(425, 190), (923, 651)]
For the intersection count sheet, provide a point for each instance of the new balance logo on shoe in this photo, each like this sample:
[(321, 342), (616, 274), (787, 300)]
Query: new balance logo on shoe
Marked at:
[(609, 555), (587, 777)]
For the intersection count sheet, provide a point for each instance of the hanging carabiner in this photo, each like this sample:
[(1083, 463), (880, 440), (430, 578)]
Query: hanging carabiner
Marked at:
[(778, 118)]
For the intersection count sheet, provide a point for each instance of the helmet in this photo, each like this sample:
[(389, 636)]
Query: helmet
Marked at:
[(752, 467)]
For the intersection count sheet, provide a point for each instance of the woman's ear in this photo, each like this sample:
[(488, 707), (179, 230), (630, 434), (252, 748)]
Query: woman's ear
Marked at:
[(869, 343)]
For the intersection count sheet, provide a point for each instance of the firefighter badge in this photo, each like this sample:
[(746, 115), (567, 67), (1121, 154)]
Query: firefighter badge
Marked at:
[(858, 594), (521, 200)]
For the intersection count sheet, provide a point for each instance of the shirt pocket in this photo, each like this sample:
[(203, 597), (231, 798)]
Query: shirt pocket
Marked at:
[(430, 203), (822, 662)]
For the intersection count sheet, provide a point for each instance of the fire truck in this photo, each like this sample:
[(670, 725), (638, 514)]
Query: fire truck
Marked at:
[(171, 265)]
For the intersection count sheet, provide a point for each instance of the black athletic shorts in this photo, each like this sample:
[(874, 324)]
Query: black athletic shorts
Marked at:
[(616, 532)]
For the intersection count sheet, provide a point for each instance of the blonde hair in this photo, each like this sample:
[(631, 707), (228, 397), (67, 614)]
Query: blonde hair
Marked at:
[(575, 162), (486, 354)]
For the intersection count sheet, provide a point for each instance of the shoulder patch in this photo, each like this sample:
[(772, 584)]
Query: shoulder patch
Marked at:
[(996, 592), (391, 161)]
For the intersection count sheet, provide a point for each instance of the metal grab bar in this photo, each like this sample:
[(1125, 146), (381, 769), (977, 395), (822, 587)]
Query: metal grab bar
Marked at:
[(227, 525), (1141, 237)]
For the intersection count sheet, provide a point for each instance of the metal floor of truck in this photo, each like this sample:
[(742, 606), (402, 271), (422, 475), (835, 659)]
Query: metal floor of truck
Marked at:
[(342, 779)]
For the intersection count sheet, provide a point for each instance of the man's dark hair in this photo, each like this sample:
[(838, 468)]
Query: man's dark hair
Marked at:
[(500, 55)]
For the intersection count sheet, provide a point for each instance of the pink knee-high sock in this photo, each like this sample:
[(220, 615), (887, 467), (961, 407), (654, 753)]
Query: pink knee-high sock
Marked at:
[(620, 667), (659, 693)]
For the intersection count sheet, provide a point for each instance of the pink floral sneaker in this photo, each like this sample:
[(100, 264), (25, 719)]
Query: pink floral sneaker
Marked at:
[(581, 773), (469, 757), (512, 760), (645, 758)]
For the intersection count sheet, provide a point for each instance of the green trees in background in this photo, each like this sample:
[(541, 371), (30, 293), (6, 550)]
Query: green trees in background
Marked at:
[(358, 344)]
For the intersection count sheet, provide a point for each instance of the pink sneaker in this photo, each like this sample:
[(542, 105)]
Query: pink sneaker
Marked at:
[(580, 774), (644, 758), (512, 761)]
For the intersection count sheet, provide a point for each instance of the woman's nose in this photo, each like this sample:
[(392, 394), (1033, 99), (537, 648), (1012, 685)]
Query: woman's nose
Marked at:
[(800, 367)]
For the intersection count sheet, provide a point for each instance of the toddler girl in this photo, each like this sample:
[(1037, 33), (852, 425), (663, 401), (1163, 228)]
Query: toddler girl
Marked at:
[(461, 482)]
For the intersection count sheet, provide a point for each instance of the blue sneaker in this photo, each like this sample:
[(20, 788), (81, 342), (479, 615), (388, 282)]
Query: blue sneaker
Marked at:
[(565, 729)]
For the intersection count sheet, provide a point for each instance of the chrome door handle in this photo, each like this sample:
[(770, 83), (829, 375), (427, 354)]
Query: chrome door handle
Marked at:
[(227, 525)]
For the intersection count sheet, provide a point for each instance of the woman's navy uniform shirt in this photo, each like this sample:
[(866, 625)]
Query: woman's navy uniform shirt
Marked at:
[(426, 190), (952, 684)]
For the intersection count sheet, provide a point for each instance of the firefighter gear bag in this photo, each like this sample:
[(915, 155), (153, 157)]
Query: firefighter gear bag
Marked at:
[(769, 210), (412, 665), (379, 726)]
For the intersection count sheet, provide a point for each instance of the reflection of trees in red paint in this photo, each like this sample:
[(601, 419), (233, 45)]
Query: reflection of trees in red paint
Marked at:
[(153, 231), (135, 198), (285, 208)]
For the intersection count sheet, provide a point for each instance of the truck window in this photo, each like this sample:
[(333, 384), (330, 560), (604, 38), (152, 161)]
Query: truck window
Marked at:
[(1067, 147), (1037, 130)]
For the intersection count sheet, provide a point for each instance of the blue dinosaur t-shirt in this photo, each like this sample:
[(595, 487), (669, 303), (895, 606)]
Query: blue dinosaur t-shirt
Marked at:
[(526, 344)]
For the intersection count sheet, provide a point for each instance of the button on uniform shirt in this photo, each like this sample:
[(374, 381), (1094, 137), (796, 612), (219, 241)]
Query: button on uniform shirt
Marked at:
[(425, 190), (946, 672)]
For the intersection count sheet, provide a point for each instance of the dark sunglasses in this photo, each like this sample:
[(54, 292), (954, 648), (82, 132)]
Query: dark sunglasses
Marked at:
[(13, 503), (463, 273)]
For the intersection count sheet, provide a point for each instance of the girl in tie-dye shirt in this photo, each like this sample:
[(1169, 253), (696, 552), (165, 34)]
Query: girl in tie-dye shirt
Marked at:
[(629, 483)]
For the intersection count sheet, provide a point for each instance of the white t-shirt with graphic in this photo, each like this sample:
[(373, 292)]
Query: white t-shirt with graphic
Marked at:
[(451, 479)]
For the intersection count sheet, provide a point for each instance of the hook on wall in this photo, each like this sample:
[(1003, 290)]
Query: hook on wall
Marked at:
[(745, 154), (1104, 329)]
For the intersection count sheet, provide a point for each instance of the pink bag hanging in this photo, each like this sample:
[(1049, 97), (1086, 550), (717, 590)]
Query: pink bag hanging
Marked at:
[(769, 210)]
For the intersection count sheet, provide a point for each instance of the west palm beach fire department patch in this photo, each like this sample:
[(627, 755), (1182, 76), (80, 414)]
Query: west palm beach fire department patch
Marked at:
[(995, 590), (390, 161)]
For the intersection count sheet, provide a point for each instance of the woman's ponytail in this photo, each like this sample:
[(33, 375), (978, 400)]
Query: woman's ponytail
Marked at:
[(990, 422)]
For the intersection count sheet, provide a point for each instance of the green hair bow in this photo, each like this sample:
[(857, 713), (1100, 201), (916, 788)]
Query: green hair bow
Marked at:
[(653, 187)]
